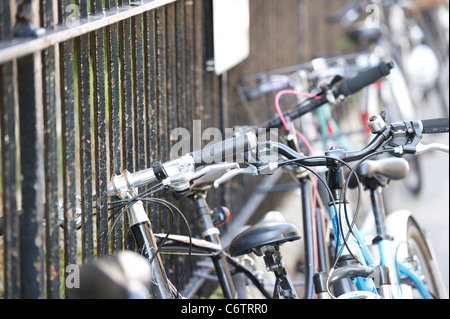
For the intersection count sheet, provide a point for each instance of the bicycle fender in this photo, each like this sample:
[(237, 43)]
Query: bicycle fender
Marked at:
[(397, 229)]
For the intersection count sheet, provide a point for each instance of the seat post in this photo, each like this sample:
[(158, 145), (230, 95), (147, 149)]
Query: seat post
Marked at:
[(283, 284), (376, 197)]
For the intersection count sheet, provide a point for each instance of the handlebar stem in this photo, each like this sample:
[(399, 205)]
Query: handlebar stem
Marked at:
[(124, 187)]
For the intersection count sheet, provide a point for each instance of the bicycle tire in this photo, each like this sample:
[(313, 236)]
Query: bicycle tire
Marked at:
[(420, 252)]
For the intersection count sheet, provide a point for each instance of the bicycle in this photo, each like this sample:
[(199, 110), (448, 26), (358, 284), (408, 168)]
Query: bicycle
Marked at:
[(353, 258), (266, 87)]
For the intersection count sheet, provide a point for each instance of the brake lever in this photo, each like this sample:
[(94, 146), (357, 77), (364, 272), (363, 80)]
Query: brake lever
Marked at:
[(180, 181), (213, 168), (249, 170), (421, 148)]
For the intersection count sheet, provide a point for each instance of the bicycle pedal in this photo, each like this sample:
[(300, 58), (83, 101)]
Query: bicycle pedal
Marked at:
[(220, 216)]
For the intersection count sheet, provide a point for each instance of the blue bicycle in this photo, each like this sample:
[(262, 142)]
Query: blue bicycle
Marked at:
[(404, 266)]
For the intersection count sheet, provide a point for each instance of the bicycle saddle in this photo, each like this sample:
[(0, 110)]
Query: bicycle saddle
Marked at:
[(369, 172), (392, 168), (271, 230)]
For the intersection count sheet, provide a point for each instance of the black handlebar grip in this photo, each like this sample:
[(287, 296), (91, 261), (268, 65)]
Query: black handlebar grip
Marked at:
[(434, 126), (365, 78), (231, 149)]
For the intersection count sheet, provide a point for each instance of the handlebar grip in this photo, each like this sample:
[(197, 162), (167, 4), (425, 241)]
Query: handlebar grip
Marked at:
[(434, 126), (365, 78), (229, 149)]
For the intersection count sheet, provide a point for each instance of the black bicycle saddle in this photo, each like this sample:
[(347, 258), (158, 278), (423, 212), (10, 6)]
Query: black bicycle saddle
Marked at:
[(269, 231)]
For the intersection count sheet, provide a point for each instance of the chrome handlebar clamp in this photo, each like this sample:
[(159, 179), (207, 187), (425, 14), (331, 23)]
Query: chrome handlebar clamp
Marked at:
[(124, 188)]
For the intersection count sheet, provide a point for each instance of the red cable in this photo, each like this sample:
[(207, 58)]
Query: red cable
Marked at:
[(308, 146)]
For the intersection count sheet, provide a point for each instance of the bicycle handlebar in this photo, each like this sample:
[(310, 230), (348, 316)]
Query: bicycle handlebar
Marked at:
[(139, 178), (230, 149), (179, 172), (397, 138), (365, 78), (434, 126), (346, 87)]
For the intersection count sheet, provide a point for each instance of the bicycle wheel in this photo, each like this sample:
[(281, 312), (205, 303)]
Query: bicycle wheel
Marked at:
[(420, 259)]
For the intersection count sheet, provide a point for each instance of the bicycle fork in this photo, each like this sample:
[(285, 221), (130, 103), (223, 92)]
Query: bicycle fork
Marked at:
[(143, 235)]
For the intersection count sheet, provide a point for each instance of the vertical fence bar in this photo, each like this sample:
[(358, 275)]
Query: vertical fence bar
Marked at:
[(161, 83), (139, 84), (179, 65), (171, 68), (29, 83), (50, 160), (205, 58), (184, 95), (170, 52), (161, 100), (10, 225), (84, 116), (68, 142), (151, 101), (127, 110), (127, 96), (198, 106), (98, 62), (113, 102), (190, 89), (211, 88), (31, 235), (190, 62), (8, 141)]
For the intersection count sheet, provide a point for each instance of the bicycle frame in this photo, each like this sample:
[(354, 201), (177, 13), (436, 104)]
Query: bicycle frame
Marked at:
[(359, 248), (211, 234)]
